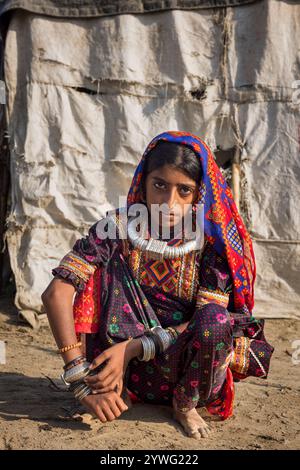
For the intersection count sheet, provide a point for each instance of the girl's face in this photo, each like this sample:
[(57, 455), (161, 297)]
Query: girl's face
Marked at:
[(170, 186)]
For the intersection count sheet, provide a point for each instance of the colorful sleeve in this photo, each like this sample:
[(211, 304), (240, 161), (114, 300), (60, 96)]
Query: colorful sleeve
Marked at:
[(215, 282), (88, 253)]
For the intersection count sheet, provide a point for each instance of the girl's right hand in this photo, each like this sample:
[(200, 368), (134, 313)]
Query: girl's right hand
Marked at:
[(106, 406)]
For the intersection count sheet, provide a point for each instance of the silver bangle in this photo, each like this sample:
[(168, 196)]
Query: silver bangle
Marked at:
[(165, 338), (153, 350), (148, 349), (75, 373), (144, 346), (80, 389), (82, 392), (174, 333)]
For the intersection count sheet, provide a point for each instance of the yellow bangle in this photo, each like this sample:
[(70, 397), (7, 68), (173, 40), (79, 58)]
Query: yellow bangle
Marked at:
[(68, 348)]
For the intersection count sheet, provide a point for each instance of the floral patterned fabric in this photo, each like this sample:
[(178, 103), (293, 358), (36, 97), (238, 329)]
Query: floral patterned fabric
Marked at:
[(116, 303), (120, 294)]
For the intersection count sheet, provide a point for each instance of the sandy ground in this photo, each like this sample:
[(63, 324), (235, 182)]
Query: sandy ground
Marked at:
[(33, 414)]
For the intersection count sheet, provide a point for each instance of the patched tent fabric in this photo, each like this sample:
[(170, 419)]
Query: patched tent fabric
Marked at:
[(85, 96), (86, 8)]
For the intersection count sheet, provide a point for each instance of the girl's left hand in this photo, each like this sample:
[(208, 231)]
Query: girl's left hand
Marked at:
[(111, 376)]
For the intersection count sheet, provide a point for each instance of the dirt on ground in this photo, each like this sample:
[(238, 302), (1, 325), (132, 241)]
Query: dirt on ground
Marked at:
[(35, 412)]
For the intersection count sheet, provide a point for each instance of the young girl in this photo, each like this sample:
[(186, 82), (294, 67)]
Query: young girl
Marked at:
[(167, 319)]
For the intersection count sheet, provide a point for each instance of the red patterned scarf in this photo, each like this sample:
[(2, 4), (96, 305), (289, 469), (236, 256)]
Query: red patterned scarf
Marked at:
[(223, 224)]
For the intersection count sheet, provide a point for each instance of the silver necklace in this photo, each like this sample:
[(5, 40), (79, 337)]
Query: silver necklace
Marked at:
[(159, 249)]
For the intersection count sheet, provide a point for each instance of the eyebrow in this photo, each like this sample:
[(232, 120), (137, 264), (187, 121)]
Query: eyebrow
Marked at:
[(161, 180)]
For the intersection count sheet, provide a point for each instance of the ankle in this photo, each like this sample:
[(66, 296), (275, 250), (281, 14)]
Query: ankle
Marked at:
[(176, 408)]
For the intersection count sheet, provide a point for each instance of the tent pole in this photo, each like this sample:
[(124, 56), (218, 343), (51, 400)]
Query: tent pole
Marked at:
[(236, 177)]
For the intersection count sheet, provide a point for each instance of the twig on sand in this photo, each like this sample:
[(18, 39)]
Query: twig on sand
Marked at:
[(273, 385), (54, 386)]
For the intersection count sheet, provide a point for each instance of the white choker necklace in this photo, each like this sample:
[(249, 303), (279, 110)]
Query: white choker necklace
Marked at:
[(159, 249)]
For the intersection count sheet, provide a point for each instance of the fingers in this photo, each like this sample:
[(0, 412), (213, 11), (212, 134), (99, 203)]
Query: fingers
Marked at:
[(103, 389), (113, 407), (99, 360), (106, 407), (121, 404), (115, 410), (93, 379), (101, 377), (105, 373), (104, 385), (111, 381), (94, 408), (112, 386), (101, 415)]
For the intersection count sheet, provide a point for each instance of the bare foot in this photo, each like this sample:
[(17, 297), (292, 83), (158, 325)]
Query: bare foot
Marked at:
[(192, 423)]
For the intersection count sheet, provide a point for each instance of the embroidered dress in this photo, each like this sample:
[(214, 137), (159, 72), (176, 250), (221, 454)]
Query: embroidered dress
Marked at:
[(120, 293)]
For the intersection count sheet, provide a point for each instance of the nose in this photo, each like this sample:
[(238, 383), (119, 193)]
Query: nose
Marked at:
[(171, 198)]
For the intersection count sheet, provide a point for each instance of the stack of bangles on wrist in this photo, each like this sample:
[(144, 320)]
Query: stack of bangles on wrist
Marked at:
[(156, 340), (74, 373)]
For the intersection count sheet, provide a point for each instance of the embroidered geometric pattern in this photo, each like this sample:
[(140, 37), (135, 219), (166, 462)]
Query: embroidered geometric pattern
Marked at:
[(177, 276), (86, 307), (205, 296), (188, 275), (163, 274), (241, 356), (74, 263), (233, 237), (160, 271)]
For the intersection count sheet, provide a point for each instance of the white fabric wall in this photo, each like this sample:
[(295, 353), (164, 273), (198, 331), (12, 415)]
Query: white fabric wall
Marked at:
[(73, 153)]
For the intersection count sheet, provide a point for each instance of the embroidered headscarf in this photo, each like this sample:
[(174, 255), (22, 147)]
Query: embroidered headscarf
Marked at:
[(223, 225)]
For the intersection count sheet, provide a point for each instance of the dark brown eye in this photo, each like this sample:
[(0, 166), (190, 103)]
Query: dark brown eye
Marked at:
[(185, 190), (158, 185)]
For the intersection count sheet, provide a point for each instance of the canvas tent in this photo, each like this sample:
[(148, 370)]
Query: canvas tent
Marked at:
[(90, 83)]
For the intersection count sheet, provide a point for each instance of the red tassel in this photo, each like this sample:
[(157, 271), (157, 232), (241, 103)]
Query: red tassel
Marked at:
[(223, 406)]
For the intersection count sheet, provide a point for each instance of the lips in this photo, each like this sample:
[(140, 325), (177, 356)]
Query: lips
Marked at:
[(171, 216)]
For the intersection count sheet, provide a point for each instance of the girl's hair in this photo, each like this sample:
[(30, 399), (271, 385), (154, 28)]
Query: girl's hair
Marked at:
[(179, 156)]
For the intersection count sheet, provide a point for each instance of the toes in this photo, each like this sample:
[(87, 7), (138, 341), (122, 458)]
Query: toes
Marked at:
[(195, 435), (194, 427), (191, 431), (204, 431)]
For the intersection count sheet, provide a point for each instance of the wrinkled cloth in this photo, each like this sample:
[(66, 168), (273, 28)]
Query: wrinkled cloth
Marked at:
[(92, 8)]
